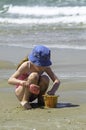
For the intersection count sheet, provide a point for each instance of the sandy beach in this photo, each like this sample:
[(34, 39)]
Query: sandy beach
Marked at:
[(61, 26), (69, 114)]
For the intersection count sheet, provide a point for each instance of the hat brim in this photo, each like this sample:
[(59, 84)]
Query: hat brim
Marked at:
[(38, 62)]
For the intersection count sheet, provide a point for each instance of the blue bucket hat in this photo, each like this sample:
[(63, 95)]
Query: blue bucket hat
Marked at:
[(40, 56)]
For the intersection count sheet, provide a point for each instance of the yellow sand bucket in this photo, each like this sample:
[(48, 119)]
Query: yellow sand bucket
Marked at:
[(50, 101)]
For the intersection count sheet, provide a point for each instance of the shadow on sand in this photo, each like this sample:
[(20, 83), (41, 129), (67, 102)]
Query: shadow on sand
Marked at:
[(64, 105), (59, 105)]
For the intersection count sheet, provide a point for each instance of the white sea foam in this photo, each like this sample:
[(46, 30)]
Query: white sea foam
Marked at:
[(47, 11), (44, 15), (65, 20), (76, 47), (71, 75), (58, 46)]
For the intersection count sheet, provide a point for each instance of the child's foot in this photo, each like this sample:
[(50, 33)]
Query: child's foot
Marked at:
[(26, 105)]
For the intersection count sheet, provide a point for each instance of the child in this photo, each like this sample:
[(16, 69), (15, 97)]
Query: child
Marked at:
[(30, 80)]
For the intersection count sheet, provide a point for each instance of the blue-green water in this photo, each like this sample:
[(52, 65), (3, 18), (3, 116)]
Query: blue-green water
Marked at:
[(68, 47), (42, 12), (45, 2), (58, 24)]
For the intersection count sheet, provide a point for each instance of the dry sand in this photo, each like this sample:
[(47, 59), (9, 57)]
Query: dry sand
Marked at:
[(70, 114)]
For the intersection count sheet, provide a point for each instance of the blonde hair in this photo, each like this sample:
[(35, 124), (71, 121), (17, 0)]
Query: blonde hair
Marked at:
[(22, 61)]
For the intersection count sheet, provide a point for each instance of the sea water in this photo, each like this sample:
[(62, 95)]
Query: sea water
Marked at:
[(58, 24)]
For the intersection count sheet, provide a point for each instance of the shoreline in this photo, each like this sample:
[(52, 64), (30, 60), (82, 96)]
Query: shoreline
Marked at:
[(68, 89)]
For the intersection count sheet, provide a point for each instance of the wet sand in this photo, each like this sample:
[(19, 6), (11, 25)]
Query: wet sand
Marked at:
[(69, 114)]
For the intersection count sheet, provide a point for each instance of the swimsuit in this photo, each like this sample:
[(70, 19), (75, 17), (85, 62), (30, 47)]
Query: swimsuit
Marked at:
[(23, 76)]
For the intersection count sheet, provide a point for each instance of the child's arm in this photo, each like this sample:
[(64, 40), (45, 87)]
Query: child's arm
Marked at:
[(14, 78), (56, 81), (14, 81)]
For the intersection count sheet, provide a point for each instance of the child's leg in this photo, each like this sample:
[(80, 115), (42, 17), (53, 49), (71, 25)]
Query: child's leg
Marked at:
[(23, 93), (44, 83)]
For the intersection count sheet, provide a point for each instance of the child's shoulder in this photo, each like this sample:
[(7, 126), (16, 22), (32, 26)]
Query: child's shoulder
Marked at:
[(22, 61), (25, 63)]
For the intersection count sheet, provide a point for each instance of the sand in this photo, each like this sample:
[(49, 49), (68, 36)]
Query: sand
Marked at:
[(67, 116), (70, 113)]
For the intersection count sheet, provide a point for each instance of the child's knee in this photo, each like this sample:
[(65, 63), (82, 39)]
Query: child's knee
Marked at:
[(34, 77)]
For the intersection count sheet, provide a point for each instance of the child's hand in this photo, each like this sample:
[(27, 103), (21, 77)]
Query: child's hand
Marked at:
[(24, 83), (54, 88), (50, 93)]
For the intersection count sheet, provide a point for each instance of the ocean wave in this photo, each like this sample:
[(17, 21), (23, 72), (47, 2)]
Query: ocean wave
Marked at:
[(75, 47), (47, 11), (4, 9), (72, 47), (43, 15), (44, 2), (69, 75), (59, 20)]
